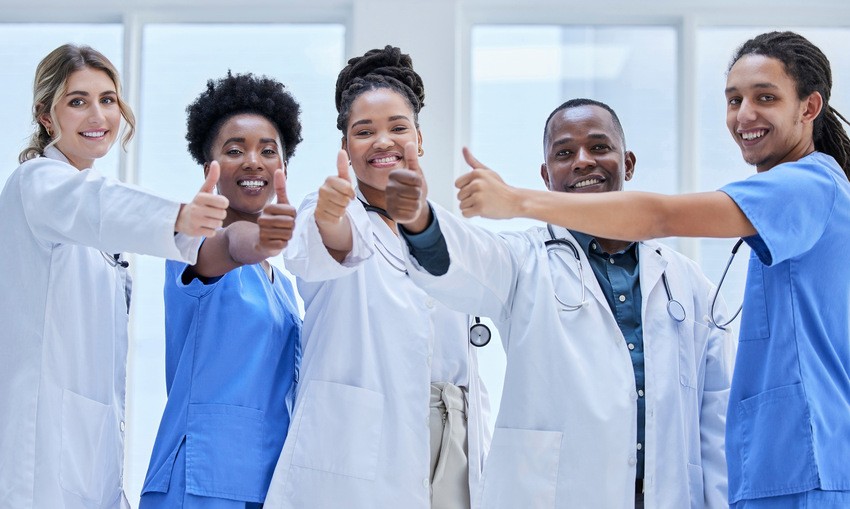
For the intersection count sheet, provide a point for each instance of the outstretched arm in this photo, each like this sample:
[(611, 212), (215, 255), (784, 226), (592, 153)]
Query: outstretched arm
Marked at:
[(619, 215), (247, 243)]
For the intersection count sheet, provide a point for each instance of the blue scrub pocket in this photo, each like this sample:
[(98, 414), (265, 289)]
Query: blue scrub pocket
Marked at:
[(224, 445), (777, 451)]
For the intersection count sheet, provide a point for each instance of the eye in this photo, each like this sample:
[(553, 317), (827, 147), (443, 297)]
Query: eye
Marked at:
[(734, 101), (362, 133), (400, 129), (600, 148), (108, 100), (269, 152), (233, 152), (76, 102), (563, 153), (767, 98)]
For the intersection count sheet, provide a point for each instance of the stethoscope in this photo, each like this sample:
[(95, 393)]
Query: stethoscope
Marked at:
[(479, 333), (398, 265), (723, 325), (114, 260), (674, 307)]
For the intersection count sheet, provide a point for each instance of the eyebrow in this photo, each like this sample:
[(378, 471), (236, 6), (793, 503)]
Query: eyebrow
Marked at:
[(592, 136), (391, 119), (86, 94), (769, 86), (242, 140)]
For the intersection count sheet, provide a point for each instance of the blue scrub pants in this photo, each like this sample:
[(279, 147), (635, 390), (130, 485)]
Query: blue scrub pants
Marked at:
[(814, 499), (177, 498)]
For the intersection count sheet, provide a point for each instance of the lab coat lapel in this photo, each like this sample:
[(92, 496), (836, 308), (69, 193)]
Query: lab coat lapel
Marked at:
[(652, 265)]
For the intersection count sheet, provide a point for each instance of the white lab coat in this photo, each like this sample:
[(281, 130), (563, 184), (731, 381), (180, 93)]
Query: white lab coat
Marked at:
[(63, 329), (359, 437), (566, 435)]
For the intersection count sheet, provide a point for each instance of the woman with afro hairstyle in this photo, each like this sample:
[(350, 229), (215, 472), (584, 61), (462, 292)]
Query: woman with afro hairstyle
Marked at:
[(390, 407), (231, 320)]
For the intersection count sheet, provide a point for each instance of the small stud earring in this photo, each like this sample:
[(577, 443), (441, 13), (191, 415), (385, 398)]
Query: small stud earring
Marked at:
[(421, 151)]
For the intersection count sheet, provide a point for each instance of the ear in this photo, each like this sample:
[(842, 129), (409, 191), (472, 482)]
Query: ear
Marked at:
[(418, 138), (206, 169), (46, 121), (630, 160), (544, 173), (812, 107), (285, 174), (344, 144)]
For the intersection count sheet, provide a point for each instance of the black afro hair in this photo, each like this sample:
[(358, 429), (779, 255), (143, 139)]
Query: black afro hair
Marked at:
[(235, 95)]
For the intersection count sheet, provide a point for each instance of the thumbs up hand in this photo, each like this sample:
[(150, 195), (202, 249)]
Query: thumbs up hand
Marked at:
[(407, 193), (335, 194), (277, 221), (482, 192), (206, 212)]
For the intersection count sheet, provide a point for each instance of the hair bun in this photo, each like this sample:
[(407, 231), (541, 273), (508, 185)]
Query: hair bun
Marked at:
[(389, 62)]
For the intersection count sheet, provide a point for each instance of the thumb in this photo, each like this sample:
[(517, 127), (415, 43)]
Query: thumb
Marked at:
[(471, 160), (280, 187), (342, 165), (411, 157), (212, 178)]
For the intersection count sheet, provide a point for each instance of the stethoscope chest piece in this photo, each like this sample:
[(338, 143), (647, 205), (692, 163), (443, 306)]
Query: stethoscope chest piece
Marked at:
[(479, 333), (676, 310)]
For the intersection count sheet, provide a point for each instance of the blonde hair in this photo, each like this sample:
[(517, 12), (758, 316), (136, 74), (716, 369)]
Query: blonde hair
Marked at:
[(50, 84)]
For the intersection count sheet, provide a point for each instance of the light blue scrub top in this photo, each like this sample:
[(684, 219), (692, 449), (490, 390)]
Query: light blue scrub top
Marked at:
[(233, 349), (788, 424)]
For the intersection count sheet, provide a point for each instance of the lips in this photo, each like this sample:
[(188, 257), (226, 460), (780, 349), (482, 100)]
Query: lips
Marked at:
[(94, 133), (588, 181), (385, 159), (254, 183), (751, 136)]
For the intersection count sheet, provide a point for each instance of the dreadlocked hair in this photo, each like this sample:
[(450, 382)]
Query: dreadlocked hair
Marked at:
[(806, 64), (378, 68), (236, 94)]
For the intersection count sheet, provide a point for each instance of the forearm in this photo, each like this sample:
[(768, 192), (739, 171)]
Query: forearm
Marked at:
[(635, 216), (235, 246)]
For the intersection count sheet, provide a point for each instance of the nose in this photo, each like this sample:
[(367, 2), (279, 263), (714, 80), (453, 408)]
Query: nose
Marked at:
[(583, 159), (746, 112), (383, 141), (252, 159), (96, 116)]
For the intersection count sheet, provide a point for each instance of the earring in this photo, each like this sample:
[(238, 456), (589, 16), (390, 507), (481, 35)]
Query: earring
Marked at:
[(49, 132), (421, 151)]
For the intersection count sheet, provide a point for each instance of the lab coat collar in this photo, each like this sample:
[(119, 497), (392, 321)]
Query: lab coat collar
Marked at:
[(52, 152)]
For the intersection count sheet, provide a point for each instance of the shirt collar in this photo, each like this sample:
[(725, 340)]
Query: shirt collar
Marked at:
[(591, 247)]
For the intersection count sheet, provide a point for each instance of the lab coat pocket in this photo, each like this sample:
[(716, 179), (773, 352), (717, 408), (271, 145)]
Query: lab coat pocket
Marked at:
[(777, 451), (90, 463), (339, 430), (696, 486), (522, 469), (224, 451)]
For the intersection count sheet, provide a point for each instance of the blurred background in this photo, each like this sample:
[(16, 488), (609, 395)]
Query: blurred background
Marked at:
[(493, 71)]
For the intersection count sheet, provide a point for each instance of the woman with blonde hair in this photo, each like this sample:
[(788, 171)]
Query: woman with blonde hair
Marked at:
[(66, 288)]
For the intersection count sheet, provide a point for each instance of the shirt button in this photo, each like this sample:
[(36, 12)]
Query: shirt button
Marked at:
[(640, 392), (121, 425), (639, 446), (611, 261), (622, 298), (631, 346), (593, 245)]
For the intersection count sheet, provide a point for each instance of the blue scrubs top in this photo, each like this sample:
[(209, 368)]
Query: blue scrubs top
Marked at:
[(233, 349), (788, 424)]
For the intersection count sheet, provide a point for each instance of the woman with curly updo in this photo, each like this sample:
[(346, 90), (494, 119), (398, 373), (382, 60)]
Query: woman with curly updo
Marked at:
[(390, 407), (232, 324)]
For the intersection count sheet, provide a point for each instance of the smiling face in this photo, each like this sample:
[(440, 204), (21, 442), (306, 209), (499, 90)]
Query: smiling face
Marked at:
[(380, 124), (248, 149), (88, 116), (584, 152), (764, 114)]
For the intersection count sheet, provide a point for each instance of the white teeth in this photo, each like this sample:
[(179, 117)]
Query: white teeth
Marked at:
[(93, 134), (585, 183), (251, 183), (388, 159), (753, 135)]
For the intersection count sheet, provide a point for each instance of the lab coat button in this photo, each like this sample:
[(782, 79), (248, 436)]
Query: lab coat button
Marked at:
[(429, 303), (121, 425), (632, 461), (426, 483), (634, 395), (622, 298)]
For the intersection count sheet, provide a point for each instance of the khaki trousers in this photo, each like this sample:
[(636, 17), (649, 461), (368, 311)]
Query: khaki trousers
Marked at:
[(449, 462)]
